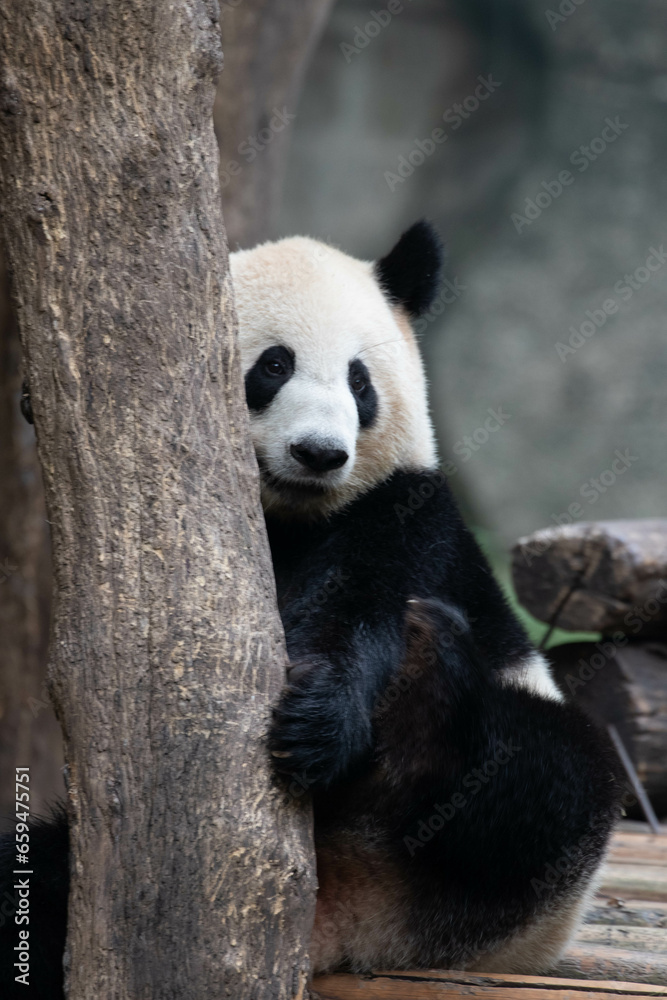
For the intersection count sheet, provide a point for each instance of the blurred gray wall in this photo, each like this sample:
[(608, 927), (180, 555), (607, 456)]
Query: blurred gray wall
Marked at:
[(549, 187)]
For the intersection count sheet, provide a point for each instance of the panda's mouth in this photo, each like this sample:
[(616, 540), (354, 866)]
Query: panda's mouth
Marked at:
[(304, 489)]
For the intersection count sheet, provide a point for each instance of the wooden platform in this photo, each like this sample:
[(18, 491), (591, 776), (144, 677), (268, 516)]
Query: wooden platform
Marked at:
[(619, 952)]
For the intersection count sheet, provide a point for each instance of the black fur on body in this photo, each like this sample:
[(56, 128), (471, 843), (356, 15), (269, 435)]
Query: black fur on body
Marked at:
[(343, 584), (395, 699)]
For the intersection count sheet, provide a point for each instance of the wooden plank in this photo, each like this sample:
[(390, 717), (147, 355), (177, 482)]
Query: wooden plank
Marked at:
[(634, 881), (624, 856), (652, 939), (635, 832), (639, 849), (435, 985), (633, 826), (600, 962), (641, 841), (627, 912)]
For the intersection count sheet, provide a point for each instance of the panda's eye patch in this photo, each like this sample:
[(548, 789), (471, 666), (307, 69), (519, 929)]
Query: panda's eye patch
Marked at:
[(273, 368), (365, 396)]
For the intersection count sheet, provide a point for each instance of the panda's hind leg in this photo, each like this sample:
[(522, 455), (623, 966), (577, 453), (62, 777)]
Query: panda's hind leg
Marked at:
[(502, 884), (441, 670), (537, 948)]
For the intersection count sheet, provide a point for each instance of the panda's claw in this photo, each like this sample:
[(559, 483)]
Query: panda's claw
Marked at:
[(319, 728)]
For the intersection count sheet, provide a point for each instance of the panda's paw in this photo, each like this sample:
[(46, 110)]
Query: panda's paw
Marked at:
[(317, 729)]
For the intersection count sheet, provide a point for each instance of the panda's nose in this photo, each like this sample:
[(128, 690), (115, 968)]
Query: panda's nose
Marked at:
[(318, 458)]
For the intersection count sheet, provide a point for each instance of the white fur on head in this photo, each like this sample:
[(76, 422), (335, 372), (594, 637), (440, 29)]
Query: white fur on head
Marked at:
[(328, 309)]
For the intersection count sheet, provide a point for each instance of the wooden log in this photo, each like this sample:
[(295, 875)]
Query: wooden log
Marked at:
[(597, 961), (644, 939), (435, 985), (634, 826), (627, 912), (641, 849), (601, 576), (635, 881), (625, 685)]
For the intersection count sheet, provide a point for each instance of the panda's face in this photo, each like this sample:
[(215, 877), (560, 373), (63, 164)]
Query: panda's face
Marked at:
[(333, 376)]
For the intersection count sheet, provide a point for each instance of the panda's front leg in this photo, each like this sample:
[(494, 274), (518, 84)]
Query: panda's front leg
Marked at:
[(322, 723)]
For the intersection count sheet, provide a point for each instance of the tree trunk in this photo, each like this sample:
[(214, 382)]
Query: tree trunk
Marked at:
[(267, 46), (267, 49), (29, 733), (191, 875)]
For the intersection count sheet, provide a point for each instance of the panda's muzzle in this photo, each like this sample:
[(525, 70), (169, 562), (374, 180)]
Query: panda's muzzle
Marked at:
[(318, 457)]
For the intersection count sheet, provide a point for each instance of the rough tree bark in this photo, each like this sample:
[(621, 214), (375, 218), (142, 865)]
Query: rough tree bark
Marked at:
[(267, 47), (192, 877)]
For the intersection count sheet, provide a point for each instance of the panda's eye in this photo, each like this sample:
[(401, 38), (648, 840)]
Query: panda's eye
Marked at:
[(364, 394), (274, 368)]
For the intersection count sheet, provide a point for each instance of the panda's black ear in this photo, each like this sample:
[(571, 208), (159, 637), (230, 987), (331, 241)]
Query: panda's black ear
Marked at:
[(410, 274)]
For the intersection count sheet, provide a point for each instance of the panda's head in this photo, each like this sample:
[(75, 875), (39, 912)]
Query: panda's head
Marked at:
[(333, 375)]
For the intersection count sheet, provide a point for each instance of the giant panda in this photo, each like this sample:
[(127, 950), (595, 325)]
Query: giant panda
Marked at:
[(450, 779), (462, 807)]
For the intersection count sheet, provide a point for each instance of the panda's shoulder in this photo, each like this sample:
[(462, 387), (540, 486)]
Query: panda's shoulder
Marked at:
[(410, 519), (424, 491)]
